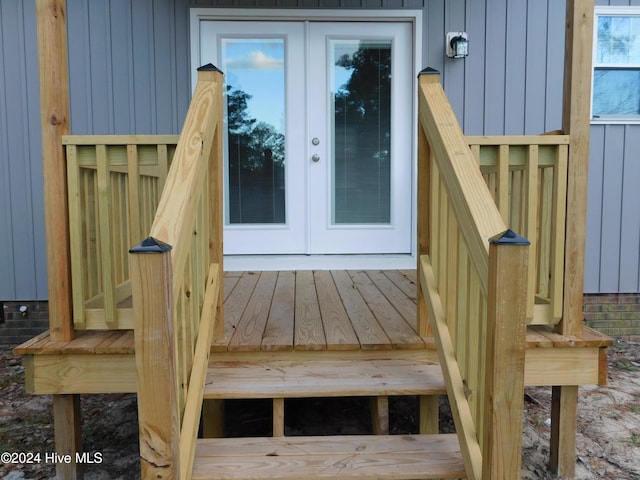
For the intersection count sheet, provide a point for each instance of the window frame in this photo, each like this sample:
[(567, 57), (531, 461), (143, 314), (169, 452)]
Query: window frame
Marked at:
[(611, 11)]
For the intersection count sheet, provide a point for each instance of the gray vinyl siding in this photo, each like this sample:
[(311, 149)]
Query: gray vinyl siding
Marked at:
[(129, 65), (22, 242), (511, 82), (128, 71), (613, 209)]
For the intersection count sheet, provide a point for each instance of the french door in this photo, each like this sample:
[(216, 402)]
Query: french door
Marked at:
[(319, 135)]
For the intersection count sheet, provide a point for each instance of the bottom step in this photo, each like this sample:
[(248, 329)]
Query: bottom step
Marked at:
[(332, 457)]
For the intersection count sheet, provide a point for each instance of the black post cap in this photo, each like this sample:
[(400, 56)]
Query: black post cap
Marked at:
[(209, 67), (429, 71), (509, 238), (151, 245)]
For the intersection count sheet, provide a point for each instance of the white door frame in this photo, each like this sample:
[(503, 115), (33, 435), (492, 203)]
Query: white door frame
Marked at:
[(276, 262)]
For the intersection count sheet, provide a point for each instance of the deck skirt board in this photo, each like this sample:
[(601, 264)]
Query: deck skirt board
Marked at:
[(360, 457)]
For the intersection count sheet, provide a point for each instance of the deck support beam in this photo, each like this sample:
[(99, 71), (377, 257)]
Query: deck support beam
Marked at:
[(54, 120), (575, 122)]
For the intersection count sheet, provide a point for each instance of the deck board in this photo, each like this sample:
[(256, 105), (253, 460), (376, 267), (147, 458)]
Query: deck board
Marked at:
[(309, 331), (370, 334), (339, 332), (278, 334), (401, 334), (319, 310), (249, 330)]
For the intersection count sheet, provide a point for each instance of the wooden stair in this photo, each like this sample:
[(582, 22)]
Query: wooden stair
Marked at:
[(322, 378), (332, 457), (422, 456)]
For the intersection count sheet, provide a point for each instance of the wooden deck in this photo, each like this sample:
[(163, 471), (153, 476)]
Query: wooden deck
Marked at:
[(305, 316), (307, 311), (320, 310)]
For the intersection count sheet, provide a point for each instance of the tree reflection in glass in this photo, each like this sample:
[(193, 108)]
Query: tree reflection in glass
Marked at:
[(254, 70)]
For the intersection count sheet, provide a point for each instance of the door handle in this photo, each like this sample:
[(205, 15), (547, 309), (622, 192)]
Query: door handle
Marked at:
[(315, 157)]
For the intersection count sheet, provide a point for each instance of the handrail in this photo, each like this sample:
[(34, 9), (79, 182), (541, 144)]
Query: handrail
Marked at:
[(472, 289), (176, 276), (473, 206)]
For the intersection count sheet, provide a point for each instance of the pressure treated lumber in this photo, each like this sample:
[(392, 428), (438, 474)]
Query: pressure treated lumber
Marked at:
[(55, 121), (474, 208), (576, 123), (193, 404), (505, 358), (158, 409), (460, 408), (111, 369), (322, 378), (382, 457)]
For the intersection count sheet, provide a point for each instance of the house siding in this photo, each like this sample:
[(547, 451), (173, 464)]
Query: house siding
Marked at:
[(22, 258), (613, 216), (130, 73)]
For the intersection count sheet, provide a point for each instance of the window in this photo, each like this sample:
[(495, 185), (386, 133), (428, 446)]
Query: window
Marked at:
[(616, 65)]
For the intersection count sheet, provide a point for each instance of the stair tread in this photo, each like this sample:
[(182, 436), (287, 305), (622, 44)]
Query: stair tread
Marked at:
[(322, 378), (330, 457)]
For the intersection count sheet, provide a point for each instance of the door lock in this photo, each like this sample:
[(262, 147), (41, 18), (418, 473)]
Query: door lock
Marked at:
[(315, 141)]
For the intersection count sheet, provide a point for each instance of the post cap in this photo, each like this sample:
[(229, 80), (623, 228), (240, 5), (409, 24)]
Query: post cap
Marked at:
[(509, 238), (209, 67), (151, 245), (429, 71)]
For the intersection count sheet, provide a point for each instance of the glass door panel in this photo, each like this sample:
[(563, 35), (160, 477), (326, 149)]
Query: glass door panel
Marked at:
[(255, 80), (361, 131), (360, 183), (264, 146)]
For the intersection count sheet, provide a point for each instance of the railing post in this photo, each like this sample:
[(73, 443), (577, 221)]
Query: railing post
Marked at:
[(505, 356), (155, 346), (426, 76), (216, 192)]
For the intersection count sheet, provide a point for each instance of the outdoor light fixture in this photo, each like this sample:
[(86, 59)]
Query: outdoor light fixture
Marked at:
[(457, 44)]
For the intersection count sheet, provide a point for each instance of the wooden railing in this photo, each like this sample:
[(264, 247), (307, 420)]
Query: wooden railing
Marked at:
[(527, 177), (472, 291), (114, 185), (176, 277)]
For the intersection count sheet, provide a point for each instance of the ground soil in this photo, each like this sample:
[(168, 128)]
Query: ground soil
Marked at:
[(608, 424)]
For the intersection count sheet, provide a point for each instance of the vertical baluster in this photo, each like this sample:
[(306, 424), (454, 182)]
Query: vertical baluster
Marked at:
[(531, 226), (502, 180), (451, 262), (105, 229), (78, 259), (135, 222), (424, 214), (558, 231)]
